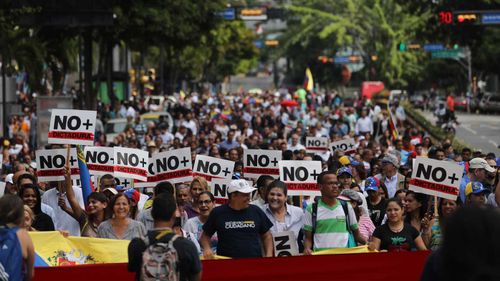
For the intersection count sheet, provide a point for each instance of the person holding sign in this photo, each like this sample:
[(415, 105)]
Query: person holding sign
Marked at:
[(285, 217), (329, 222), (432, 229), (242, 229), (396, 235)]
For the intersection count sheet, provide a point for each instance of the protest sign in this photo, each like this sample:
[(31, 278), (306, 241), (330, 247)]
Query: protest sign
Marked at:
[(285, 244), (211, 167), (151, 180), (99, 159), (316, 144), (218, 187), (257, 162), (435, 177), (300, 176), (69, 126), (348, 146), (174, 166), (50, 164), (130, 163)]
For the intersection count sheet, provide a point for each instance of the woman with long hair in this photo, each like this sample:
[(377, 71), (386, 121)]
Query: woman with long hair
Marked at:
[(91, 218), (432, 228), (121, 226), (396, 235), (197, 186), (30, 194), (206, 203), (415, 208), (12, 223)]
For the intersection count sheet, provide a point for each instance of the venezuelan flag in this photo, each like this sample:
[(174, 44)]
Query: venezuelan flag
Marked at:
[(392, 125), (53, 249), (87, 186), (308, 81)]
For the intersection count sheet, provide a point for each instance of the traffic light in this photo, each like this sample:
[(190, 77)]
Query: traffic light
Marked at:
[(402, 47), (463, 18)]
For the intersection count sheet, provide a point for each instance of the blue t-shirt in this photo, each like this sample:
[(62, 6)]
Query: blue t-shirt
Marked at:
[(238, 231)]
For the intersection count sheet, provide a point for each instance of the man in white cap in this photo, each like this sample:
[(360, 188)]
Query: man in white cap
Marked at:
[(478, 170), (242, 229), (390, 176)]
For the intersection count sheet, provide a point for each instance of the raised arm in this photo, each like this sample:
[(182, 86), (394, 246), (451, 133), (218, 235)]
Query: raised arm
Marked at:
[(70, 193)]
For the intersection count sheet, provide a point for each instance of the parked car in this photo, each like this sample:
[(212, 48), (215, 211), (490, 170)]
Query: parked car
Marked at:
[(461, 103), (490, 103), (156, 116)]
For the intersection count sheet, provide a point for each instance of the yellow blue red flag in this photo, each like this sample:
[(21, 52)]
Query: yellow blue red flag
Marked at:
[(53, 249)]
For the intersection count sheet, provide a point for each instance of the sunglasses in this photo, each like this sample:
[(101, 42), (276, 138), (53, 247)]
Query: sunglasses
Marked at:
[(204, 202)]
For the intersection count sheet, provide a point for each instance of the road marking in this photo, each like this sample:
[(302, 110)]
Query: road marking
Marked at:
[(466, 127), (488, 126), (493, 143)]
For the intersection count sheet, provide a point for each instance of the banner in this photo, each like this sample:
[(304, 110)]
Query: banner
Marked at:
[(50, 164), (211, 167), (53, 249), (435, 177), (70, 126), (257, 162), (347, 146), (174, 166), (100, 160), (300, 176), (316, 144), (131, 163)]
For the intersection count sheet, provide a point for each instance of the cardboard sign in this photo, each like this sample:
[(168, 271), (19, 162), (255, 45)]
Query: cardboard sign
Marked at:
[(50, 164), (435, 177), (211, 167), (131, 163), (348, 146), (69, 126), (316, 144), (174, 166), (285, 244), (300, 176), (218, 187), (257, 162), (100, 160), (151, 180)]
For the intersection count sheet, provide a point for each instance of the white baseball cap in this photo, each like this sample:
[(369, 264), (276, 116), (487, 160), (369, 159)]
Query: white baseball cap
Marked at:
[(241, 186), (480, 163)]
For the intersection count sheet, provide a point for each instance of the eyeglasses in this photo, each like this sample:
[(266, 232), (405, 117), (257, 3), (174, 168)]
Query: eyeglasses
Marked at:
[(204, 202)]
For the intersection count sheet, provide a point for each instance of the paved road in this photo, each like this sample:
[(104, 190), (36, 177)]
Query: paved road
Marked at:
[(480, 131)]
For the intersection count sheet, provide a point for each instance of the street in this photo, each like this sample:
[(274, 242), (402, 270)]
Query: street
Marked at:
[(478, 130)]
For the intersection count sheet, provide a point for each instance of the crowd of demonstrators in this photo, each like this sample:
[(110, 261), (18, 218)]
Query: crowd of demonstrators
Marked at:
[(364, 195)]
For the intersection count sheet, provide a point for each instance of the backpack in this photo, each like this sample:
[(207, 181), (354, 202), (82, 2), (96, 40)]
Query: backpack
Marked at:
[(351, 242), (11, 255), (160, 260)]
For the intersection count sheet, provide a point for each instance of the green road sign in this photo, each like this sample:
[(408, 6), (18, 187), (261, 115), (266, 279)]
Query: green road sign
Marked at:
[(446, 54)]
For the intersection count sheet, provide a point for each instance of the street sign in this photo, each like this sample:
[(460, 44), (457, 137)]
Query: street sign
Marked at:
[(228, 14), (446, 54), (433, 47), (491, 18)]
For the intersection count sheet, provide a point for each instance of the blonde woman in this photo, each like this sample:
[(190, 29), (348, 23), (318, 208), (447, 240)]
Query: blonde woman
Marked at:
[(29, 217), (198, 185)]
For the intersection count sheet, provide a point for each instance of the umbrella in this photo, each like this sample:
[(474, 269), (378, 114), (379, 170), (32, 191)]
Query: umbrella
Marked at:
[(289, 103)]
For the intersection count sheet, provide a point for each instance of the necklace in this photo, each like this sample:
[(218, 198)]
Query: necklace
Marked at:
[(396, 230)]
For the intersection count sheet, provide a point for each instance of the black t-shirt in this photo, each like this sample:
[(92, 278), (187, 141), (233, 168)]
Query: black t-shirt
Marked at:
[(396, 242), (377, 212), (189, 261), (238, 231), (43, 222)]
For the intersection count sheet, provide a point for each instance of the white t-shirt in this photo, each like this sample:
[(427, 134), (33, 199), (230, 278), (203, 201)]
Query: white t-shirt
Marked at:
[(63, 221)]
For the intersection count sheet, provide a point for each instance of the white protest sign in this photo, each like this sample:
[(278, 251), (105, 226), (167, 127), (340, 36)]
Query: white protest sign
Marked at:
[(300, 176), (348, 146), (257, 162), (131, 163), (125, 182), (285, 244), (151, 180), (99, 159), (174, 166), (50, 164), (435, 177), (211, 167), (316, 144), (218, 187), (69, 126)]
